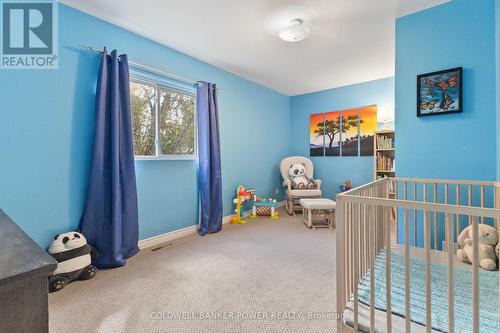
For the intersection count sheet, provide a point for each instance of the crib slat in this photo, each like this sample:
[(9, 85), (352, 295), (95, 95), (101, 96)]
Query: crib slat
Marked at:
[(349, 239), (457, 216), (482, 201), (435, 217), (366, 248), (427, 241), (355, 271), (373, 251), (340, 257), (475, 276), (415, 216), (348, 250), (362, 244), (405, 190), (354, 282), (447, 201), (451, 277), (396, 196), (388, 269), (469, 192), (407, 271), (496, 204)]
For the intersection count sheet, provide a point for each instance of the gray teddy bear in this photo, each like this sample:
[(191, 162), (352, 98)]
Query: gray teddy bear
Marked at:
[(297, 175)]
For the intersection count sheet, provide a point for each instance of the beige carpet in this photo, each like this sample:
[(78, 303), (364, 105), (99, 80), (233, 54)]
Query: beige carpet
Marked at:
[(263, 276)]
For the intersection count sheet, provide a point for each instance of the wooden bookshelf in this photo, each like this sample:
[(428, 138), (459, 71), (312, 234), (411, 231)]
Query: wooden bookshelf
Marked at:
[(384, 162)]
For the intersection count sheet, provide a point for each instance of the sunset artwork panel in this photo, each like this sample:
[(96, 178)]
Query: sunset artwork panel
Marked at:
[(368, 126), (332, 133), (350, 132), (316, 135), (343, 133)]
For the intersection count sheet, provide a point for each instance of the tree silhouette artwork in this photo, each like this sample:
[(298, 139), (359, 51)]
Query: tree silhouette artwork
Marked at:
[(331, 128)]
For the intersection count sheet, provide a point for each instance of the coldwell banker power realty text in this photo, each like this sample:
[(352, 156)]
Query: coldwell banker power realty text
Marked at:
[(29, 35)]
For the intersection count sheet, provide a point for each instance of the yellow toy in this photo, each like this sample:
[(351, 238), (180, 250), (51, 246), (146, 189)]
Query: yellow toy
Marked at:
[(242, 195)]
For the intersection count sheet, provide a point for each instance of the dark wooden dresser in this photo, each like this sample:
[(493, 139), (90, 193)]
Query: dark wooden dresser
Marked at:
[(24, 270)]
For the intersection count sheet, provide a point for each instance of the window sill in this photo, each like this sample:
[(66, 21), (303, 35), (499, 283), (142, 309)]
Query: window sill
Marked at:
[(167, 158)]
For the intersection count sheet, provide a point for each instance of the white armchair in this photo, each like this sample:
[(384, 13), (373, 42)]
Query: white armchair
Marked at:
[(293, 196)]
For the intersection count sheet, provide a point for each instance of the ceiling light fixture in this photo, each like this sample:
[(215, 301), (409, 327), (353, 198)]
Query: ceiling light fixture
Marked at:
[(295, 32)]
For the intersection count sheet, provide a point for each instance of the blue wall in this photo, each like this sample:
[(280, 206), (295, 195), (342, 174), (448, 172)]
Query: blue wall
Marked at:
[(47, 124), (458, 146), (454, 146), (333, 171), (497, 23), (47, 121)]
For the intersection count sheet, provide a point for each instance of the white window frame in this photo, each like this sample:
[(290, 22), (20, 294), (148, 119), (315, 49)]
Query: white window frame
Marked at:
[(156, 114)]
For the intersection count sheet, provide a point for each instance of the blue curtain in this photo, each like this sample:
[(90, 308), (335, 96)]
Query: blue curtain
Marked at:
[(110, 219), (209, 171)]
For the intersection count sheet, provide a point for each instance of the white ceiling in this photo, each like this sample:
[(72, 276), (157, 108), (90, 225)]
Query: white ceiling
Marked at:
[(351, 41)]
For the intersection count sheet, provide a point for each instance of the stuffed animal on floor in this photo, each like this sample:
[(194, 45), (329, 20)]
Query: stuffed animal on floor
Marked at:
[(488, 239), (297, 175), (73, 256)]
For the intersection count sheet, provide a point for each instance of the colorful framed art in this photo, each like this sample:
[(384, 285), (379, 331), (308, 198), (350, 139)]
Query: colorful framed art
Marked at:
[(331, 133), (439, 92), (343, 133), (316, 138)]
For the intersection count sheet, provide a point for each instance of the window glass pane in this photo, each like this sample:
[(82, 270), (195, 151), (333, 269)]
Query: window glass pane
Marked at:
[(142, 103), (177, 132)]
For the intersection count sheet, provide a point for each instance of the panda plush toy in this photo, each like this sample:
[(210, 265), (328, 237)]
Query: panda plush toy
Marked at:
[(73, 256), (297, 175)]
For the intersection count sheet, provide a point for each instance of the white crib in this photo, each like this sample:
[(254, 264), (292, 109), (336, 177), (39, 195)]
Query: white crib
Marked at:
[(366, 226)]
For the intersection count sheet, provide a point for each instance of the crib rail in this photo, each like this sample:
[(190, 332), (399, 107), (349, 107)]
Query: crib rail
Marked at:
[(427, 210)]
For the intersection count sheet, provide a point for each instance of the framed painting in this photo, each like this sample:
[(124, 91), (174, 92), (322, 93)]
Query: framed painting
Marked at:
[(350, 132), (332, 133), (367, 126), (439, 92), (316, 134)]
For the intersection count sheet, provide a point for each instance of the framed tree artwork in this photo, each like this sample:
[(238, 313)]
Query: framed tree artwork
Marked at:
[(439, 92), (316, 134), (350, 132), (332, 133), (343, 133), (367, 126)]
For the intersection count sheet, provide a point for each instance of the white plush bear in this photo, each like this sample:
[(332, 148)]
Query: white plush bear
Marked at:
[(488, 239), (297, 175)]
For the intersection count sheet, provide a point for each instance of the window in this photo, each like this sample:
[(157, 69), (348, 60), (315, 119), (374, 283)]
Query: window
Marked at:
[(143, 106), (163, 121)]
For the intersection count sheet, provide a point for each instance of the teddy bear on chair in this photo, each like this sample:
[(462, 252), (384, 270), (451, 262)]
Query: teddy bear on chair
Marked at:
[(488, 239), (297, 175)]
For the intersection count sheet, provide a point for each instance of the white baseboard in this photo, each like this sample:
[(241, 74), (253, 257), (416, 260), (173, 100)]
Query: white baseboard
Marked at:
[(167, 237), (170, 236)]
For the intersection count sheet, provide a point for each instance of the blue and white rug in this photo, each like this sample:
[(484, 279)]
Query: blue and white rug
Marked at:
[(488, 291)]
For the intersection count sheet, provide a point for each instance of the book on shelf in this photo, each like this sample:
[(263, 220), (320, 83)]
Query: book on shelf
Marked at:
[(385, 163), (385, 142)]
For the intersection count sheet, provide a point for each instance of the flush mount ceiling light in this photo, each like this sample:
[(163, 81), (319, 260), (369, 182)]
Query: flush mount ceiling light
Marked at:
[(296, 31)]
